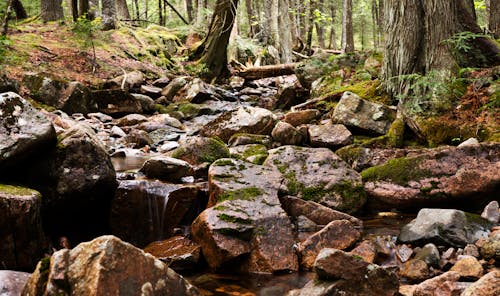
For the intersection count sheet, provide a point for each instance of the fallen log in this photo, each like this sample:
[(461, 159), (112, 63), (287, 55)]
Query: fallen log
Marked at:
[(254, 73)]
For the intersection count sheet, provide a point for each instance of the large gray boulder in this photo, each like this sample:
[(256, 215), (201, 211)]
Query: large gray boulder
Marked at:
[(12, 282), (106, 266), (21, 234), (363, 115), (444, 227), (319, 175), (24, 131), (251, 120)]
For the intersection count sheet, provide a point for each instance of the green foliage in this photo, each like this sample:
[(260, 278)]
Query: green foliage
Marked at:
[(85, 30), (4, 45), (248, 193), (461, 42)]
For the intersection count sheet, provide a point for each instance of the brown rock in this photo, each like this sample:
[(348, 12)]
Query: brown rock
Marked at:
[(107, 266), (339, 234), (488, 285), (329, 135), (415, 270), (468, 267), (286, 134), (199, 150), (297, 118), (178, 252), (365, 250), (332, 264), (131, 119), (436, 285), (165, 168)]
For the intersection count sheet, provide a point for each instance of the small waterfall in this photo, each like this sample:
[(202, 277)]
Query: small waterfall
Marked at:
[(157, 201)]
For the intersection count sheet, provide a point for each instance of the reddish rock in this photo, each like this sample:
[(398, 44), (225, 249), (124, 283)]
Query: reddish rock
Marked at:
[(468, 267), (415, 270), (339, 234), (332, 264), (12, 282), (365, 250), (285, 134), (107, 266), (178, 252), (329, 135), (488, 285), (437, 285), (297, 118)]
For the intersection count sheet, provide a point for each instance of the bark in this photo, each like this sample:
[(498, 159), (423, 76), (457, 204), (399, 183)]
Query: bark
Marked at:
[(51, 10), (19, 9), (320, 5), (310, 28), (376, 29), (254, 73), (494, 18), (347, 29), (5, 23), (213, 50), (89, 7), (122, 11), (160, 13), (251, 19), (285, 33), (333, 36), (74, 9), (189, 10), (108, 14), (137, 12), (301, 9)]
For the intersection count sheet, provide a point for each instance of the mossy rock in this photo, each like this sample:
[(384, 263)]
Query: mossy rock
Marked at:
[(12, 190), (198, 150), (399, 171), (254, 153)]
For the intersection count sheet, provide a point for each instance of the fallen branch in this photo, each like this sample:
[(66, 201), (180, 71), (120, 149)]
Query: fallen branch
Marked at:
[(254, 73)]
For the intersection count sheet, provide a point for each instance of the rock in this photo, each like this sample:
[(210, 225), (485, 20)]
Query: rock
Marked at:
[(157, 209), (436, 176), (165, 119), (288, 95), (319, 175), (117, 132), (429, 254), (308, 71), (21, 234), (107, 266), (8, 84), (147, 103), (437, 285), (245, 217), (471, 250), (306, 116), (12, 282), (24, 131), (70, 97), (161, 82), (198, 150), (366, 250), (116, 102), (138, 138), (127, 81), (173, 87), (444, 227), (318, 213), (286, 134), (361, 158), (488, 285), (151, 91), (415, 270), (305, 224), (404, 253), (469, 142), (196, 91), (331, 136), (491, 212), (165, 168), (357, 113), (468, 267), (333, 264), (339, 234), (131, 119), (254, 153), (242, 120), (245, 139), (491, 249), (178, 252)]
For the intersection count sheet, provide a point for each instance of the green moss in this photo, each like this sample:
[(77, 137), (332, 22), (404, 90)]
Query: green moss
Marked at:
[(248, 193), (399, 170), (353, 196), (189, 109), (395, 135), (44, 265), (256, 149), (212, 150), (313, 192), (477, 219), (233, 219), (220, 208), (17, 190), (350, 153), (223, 162), (439, 131)]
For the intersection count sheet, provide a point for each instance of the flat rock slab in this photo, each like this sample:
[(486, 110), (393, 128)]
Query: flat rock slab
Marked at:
[(12, 282)]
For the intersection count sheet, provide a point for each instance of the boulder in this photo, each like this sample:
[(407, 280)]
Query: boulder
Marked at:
[(436, 176), (116, 102), (245, 218), (196, 91), (300, 117), (106, 266), (491, 212), (319, 175), (488, 285), (415, 270), (254, 153), (329, 135), (157, 209), (491, 248), (12, 282), (131, 119), (21, 234), (147, 103), (180, 253), (429, 254), (285, 134), (444, 227), (126, 81), (165, 168), (339, 234), (468, 267), (439, 285), (151, 91), (8, 84), (366, 250), (251, 120), (170, 90), (362, 115), (24, 131), (137, 138), (198, 150), (361, 158), (245, 139), (70, 97)]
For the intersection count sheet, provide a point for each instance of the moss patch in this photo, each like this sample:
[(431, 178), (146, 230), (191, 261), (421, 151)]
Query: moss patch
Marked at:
[(233, 219), (17, 190), (399, 171), (248, 193)]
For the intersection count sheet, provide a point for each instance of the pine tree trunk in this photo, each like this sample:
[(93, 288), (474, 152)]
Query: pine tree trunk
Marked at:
[(51, 10), (5, 23), (347, 29), (108, 14), (494, 18), (122, 11), (89, 7), (19, 9), (333, 36), (189, 10), (213, 50), (319, 24), (375, 26), (251, 18), (285, 33)]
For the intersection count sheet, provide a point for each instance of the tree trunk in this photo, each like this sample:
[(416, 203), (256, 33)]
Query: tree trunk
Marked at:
[(254, 73), (213, 50), (74, 9), (89, 7), (108, 14), (419, 39), (302, 11), (375, 25), (347, 29), (189, 10), (285, 33), (51, 10), (5, 23), (252, 18), (137, 12), (320, 5), (310, 28), (19, 9), (333, 36), (122, 11), (160, 13), (494, 18)]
